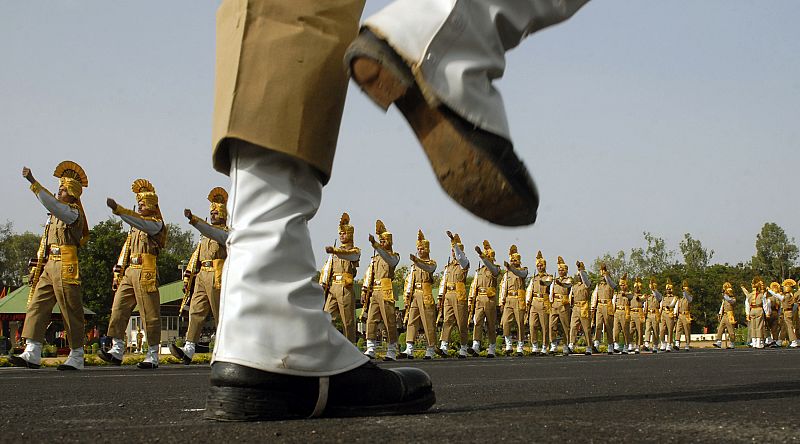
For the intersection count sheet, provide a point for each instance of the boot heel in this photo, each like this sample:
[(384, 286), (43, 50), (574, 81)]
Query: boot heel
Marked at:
[(246, 404)]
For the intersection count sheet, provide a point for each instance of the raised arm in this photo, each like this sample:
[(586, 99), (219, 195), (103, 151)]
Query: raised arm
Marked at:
[(64, 212), (216, 234), (149, 225)]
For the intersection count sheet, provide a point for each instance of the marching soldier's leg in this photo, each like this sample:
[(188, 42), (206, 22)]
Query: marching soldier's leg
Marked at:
[(150, 309), (563, 319), (491, 327), (448, 320), (505, 321), (586, 324), (347, 312), (374, 317), (199, 308), (519, 320), (788, 325), (552, 322), (615, 334), (69, 299), (121, 308), (463, 326), (574, 323), (37, 317), (429, 326), (414, 321), (477, 329), (390, 322)]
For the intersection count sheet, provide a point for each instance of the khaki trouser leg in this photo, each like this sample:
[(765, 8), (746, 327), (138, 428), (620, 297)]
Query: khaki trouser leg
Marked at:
[(40, 309), (667, 328), (293, 106), (121, 308), (414, 321), (389, 320), (580, 322), (462, 321), (635, 329), (375, 315), (449, 318), (559, 315), (199, 308), (149, 308), (604, 320), (485, 309), (507, 317), (347, 311), (788, 325), (684, 327)]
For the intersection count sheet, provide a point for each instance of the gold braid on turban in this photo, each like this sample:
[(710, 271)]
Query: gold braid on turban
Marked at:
[(380, 230), (344, 224), (422, 242)]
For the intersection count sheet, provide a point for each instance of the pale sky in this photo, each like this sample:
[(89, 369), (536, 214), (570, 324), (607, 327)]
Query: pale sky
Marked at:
[(661, 116)]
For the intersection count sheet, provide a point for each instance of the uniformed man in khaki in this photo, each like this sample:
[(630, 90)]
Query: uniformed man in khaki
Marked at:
[(683, 316), (758, 306), (560, 306), (377, 293), (482, 303), (652, 307), (136, 277), (512, 301), (787, 304), (727, 319), (772, 321), (537, 297), (581, 317), (667, 326), (453, 294), (636, 326), (603, 309), (54, 277), (419, 296), (337, 277), (622, 314), (204, 272)]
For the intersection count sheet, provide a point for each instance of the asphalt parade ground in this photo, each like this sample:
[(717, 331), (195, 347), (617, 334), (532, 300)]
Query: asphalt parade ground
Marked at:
[(698, 396)]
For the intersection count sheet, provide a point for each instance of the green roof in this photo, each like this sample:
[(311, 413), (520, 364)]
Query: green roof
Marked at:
[(16, 302), (169, 293)]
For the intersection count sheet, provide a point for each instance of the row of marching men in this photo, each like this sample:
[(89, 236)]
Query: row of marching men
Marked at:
[(771, 313), (544, 303)]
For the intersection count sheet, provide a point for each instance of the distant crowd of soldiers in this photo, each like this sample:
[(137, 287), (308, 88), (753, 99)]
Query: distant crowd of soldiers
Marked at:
[(558, 309)]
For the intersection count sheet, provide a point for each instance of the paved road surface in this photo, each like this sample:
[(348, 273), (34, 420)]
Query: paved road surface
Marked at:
[(700, 396)]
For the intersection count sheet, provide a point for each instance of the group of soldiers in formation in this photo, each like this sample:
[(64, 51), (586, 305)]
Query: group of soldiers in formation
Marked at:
[(55, 277), (649, 322), (630, 319)]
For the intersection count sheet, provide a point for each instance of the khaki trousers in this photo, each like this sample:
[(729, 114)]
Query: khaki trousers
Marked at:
[(381, 311), (603, 320), (205, 300), (651, 331), (485, 309), (787, 326), (341, 303), (50, 290), (756, 325), (667, 326), (455, 314), (584, 322), (684, 327), (538, 321), (512, 316), (621, 326), (559, 314), (129, 294), (424, 315), (773, 324), (725, 324), (635, 329)]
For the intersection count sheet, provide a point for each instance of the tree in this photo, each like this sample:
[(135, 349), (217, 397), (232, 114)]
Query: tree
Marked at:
[(651, 260), (616, 265), (695, 257), (775, 253), (15, 252)]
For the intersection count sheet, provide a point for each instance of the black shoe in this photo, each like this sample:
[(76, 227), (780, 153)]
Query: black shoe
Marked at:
[(460, 356), (180, 354), (717, 345), (610, 351), (403, 355), (388, 359), (64, 367), (147, 365), (426, 357), (441, 353), (240, 393), (16, 361), (472, 352), (595, 350), (588, 352), (500, 189), (519, 354), (108, 357), (655, 350), (490, 355)]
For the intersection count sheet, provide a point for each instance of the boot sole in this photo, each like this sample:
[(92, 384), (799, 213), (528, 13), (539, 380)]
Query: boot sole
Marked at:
[(479, 170), (16, 361), (238, 404), (176, 352)]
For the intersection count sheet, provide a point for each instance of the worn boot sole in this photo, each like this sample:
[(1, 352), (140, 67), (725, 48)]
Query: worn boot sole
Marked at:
[(16, 361), (478, 169), (178, 353)]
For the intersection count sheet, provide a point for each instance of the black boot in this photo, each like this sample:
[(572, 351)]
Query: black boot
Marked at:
[(240, 393), (108, 357)]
